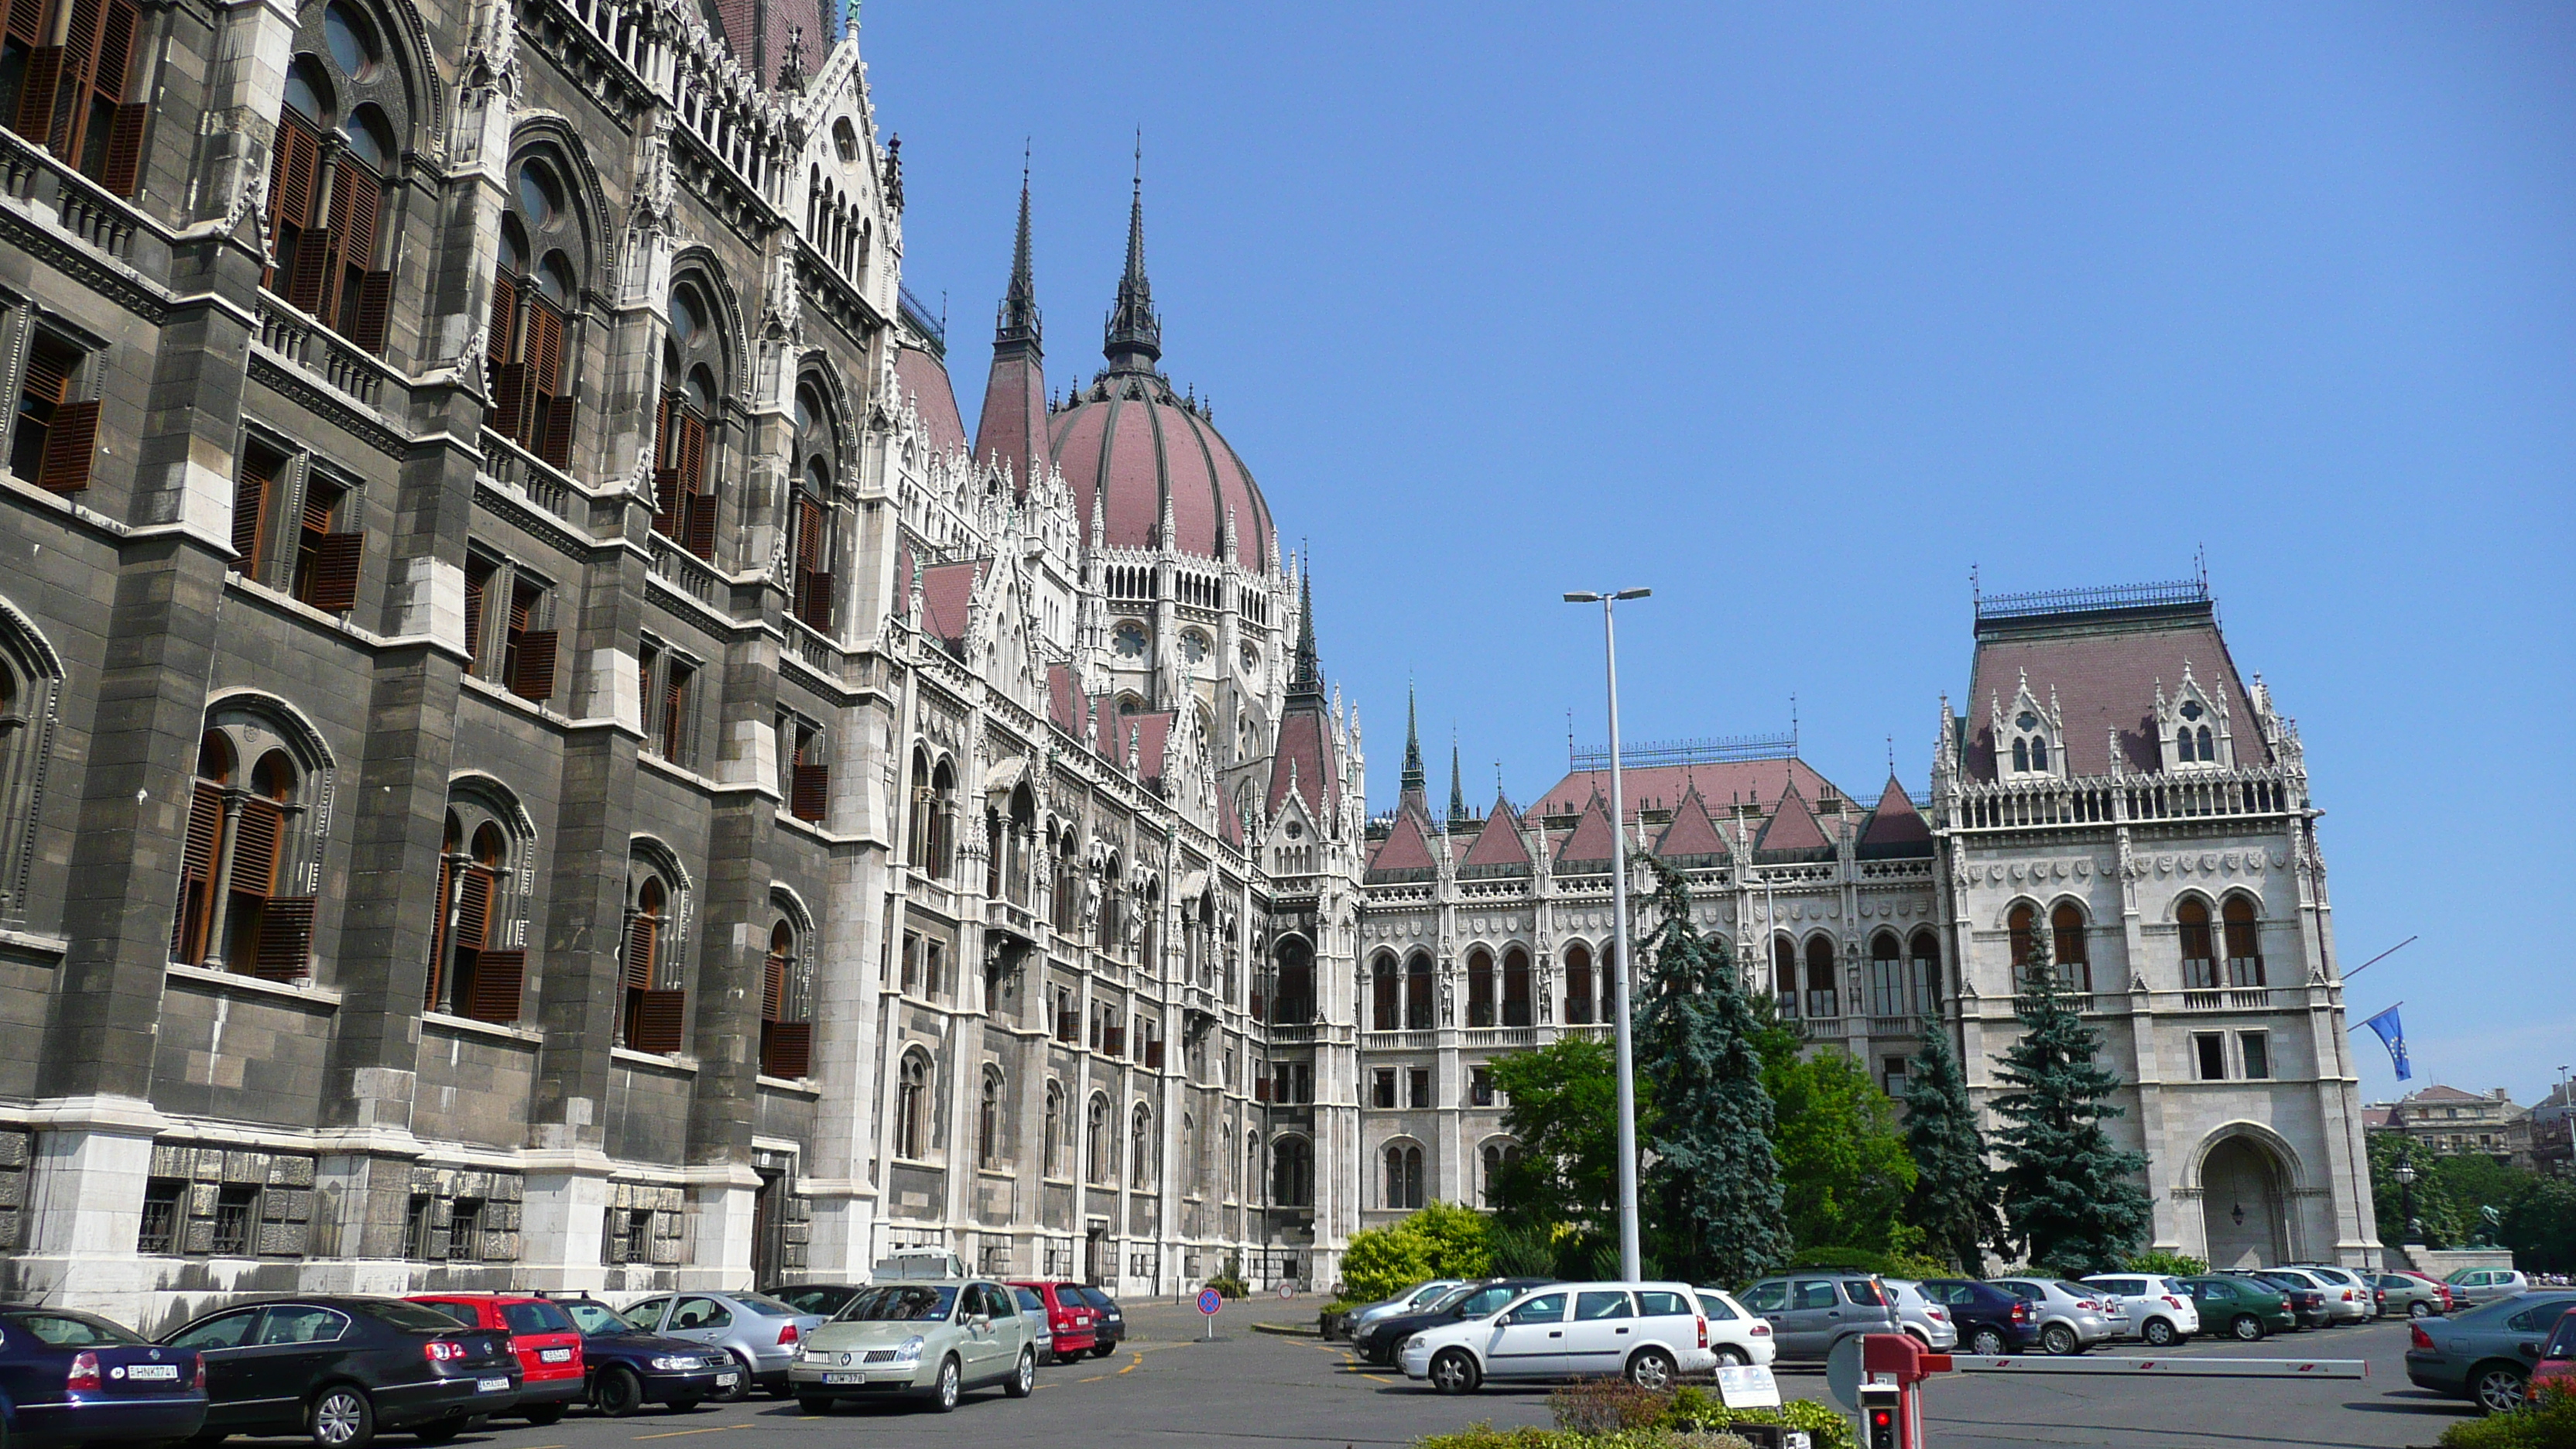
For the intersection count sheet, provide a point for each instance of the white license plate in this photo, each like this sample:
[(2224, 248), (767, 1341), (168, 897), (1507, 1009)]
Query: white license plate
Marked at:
[(152, 1371), (491, 1386), (554, 1355), (845, 1378), (726, 1381)]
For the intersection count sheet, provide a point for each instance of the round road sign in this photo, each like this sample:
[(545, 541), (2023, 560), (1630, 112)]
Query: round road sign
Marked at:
[(1210, 1301)]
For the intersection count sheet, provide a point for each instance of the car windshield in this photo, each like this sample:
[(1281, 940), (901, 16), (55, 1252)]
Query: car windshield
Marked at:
[(900, 1303), (1452, 1299), (72, 1330), (814, 1300), (534, 1318), (419, 1317), (2078, 1290)]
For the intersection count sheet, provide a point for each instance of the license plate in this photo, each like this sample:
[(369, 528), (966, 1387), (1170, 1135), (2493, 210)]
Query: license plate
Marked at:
[(491, 1386), (845, 1378), (554, 1355), (726, 1381), (152, 1371)]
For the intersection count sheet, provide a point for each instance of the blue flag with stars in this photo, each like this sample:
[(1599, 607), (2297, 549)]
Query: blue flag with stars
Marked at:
[(2392, 1034)]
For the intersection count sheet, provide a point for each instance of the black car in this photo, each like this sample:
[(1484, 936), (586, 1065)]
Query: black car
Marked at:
[(341, 1368), (1377, 1342), (1990, 1320), (628, 1368), (826, 1299), (68, 1378), (1110, 1329), (2307, 1302)]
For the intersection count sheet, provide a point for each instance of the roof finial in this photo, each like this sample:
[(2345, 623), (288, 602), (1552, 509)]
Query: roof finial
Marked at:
[(1018, 318), (1308, 678), (1457, 787), (1135, 336), (1412, 782)]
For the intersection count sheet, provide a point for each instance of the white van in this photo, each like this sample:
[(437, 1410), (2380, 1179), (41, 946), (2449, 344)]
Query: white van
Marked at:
[(1650, 1332)]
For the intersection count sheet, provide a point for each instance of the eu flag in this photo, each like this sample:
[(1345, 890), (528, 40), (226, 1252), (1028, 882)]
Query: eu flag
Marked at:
[(2392, 1034)]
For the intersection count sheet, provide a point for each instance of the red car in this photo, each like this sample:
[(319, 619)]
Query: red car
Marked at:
[(542, 1337), (2557, 1359), (1074, 1322)]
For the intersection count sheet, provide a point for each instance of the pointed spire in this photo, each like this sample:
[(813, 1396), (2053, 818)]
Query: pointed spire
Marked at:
[(1457, 787), (1017, 319), (1308, 678), (1135, 336), (1412, 782)]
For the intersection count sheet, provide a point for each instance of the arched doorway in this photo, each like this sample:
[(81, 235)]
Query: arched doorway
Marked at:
[(2243, 1204)]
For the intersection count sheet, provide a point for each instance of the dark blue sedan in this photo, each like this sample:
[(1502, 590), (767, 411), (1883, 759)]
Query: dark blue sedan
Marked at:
[(629, 1368), (69, 1378)]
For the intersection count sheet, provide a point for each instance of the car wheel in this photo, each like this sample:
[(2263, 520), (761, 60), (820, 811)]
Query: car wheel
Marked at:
[(544, 1414), (618, 1393), (1986, 1343), (2059, 1339), (1455, 1372), (1653, 1370), (1024, 1382), (341, 1418), (943, 1393), (2160, 1333), (741, 1389), (2419, 1309), (2497, 1387), (2246, 1327), (1729, 1356), (1104, 1350), (813, 1404)]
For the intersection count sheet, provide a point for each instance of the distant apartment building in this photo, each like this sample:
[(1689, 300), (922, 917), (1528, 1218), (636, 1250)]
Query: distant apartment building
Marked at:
[(2446, 1120)]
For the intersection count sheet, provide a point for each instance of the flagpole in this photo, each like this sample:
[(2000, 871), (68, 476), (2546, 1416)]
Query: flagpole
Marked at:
[(2392, 1006)]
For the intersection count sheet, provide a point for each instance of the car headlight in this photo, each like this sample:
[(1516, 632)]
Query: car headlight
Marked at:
[(668, 1364), (910, 1348)]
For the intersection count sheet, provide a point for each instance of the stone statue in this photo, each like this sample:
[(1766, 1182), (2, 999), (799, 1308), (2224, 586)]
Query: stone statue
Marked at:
[(2490, 1222)]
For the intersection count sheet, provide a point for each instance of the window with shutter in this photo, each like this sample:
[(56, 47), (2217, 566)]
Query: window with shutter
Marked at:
[(787, 1048), (643, 935), (52, 437), (811, 790), (188, 937), (326, 561), (95, 74), (433, 989), (261, 467), (675, 713), (532, 674), (357, 204), (500, 981), (294, 179), (23, 32), (478, 581), (285, 947), (501, 333), (659, 1021)]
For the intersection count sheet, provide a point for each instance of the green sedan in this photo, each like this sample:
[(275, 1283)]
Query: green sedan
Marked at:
[(927, 1340), (2240, 1307)]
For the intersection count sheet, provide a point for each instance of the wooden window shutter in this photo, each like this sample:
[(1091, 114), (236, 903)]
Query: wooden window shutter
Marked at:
[(545, 348), (80, 59), (773, 987), (335, 571), (809, 534), (666, 502), (476, 586), (555, 448), (27, 21), (438, 936), (660, 1021), (125, 149), (815, 606), (313, 259), (70, 445), (700, 524), (255, 845), (643, 934), (787, 1048), (691, 456), (375, 312), (502, 332), (535, 676), (510, 400), (205, 830), (357, 200), (36, 94), (474, 907), (250, 513), (285, 939), (500, 981), (811, 791), (675, 713)]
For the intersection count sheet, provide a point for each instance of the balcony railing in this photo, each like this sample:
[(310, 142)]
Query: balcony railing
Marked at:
[(1399, 1040), (1498, 1036)]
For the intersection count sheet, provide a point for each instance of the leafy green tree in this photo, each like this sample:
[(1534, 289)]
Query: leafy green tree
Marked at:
[(1845, 1174), (2440, 1216), (1564, 1113), (1954, 1190), (2541, 1227), (2071, 1200), (1443, 1240), (1714, 1182)]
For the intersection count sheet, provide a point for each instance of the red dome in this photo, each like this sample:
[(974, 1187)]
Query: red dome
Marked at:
[(1130, 439)]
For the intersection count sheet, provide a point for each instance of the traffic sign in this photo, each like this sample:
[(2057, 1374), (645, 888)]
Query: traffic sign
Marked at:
[(1210, 1301)]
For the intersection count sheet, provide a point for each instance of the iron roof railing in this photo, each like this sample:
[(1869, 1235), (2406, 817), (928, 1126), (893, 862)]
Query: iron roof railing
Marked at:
[(1714, 751), (918, 313), (2086, 601)]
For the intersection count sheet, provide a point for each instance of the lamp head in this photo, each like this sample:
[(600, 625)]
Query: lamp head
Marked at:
[(1583, 598)]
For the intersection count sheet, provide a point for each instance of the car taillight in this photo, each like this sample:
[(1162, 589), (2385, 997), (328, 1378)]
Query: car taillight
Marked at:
[(441, 1351), (199, 1381), (2418, 1338), (1703, 1333), (2021, 1313), (1937, 1315), (786, 1334), (1761, 1329), (84, 1374), (2172, 1302)]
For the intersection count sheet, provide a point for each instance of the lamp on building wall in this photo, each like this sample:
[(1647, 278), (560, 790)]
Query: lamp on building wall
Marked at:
[(1631, 1267), (2238, 1213)]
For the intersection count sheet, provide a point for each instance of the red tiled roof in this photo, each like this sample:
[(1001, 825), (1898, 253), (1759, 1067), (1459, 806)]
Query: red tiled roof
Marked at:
[(946, 591), (1013, 428), (1064, 697), (1303, 747), (1591, 840), (1895, 824), (1499, 846), (1792, 827), (2105, 676), (1762, 781), (1405, 848), (1692, 835), (925, 378), (1151, 732), (1138, 450)]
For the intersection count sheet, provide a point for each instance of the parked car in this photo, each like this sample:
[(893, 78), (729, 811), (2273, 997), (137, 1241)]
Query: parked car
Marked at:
[(2557, 1358), (552, 1377), (2412, 1295), (1650, 1332), (1737, 1334), (2156, 1309), (1813, 1310), (625, 1368), (1927, 1321), (2346, 1300), (342, 1368), (823, 1299), (1034, 1315), (917, 1339), (759, 1331), (71, 1378), (2307, 1300), (2485, 1354), (1989, 1320), (1378, 1341), (2245, 1309), (2071, 1316), (1109, 1325), (2472, 1286), (1412, 1300), (1070, 1319)]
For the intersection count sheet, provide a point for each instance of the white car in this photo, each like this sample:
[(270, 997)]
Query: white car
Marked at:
[(2346, 1300), (1736, 1334), (1650, 1332), (2160, 1311)]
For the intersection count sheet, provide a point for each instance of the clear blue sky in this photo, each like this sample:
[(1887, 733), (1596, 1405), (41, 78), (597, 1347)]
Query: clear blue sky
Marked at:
[(1795, 313)]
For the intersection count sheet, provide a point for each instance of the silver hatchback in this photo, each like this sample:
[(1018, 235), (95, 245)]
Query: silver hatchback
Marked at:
[(759, 1331), (2071, 1317)]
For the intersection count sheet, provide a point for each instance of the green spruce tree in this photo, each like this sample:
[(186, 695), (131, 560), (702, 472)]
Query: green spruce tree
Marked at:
[(2071, 1200), (1714, 1187), (1954, 1191)]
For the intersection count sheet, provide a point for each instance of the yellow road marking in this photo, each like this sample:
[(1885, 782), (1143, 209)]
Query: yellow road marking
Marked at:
[(1132, 1367), (710, 1429), (1095, 1378), (1373, 1378)]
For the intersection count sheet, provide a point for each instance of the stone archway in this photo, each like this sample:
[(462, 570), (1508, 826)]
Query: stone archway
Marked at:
[(2244, 1203)]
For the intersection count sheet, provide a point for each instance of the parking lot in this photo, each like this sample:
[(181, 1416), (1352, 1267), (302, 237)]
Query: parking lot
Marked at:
[(1166, 1387)]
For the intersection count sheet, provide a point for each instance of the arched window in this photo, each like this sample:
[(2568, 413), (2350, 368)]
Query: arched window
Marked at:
[(2021, 756), (993, 854), (654, 1010), (1578, 983), (1294, 1003), (1887, 996), (1516, 987), (246, 899), (532, 345), (2039, 753), (71, 95), (1784, 975), (988, 1120), (333, 160), (1149, 937), (943, 821), (2199, 953), (1052, 1163), (2208, 746), (1403, 1175), (1926, 951), (686, 428), (1610, 982), (2244, 948), (2066, 927), (477, 964), (1113, 899), (1103, 1168), (1498, 1157), (2022, 924), (1822, 997), (1480, 987), (812, 508), (1068, 883), (1417, 993), (786, 1005), (918, 833), (1292, 1173), (1021, 840), (1382, 995), (1140, 1149), (912, 1106), (30, 682)]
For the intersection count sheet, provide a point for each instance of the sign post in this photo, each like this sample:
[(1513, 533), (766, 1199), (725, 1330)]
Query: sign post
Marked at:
[(1210, 1301)]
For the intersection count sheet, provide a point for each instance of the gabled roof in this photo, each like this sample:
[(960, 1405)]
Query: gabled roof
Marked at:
[(1405, 854), (946, 592), (925, 378), (1499, 848), (1692, 840), (2103, 668), (1792, 827), (1895, 828), (1591, 843), (1305, 751), (1725, 782)]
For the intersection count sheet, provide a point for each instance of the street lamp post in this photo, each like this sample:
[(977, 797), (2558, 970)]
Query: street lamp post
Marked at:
[(2405, 1175), (1631, 1266)]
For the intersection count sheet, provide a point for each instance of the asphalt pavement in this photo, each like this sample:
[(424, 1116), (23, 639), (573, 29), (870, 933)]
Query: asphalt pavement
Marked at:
[(1167, 1386)]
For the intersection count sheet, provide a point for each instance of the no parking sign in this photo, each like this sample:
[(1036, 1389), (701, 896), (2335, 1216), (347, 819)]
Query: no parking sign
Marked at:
[(1210, 1301)]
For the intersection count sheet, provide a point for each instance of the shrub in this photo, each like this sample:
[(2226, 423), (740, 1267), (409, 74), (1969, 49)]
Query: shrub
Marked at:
[(1443, 1240), (2549, 1424), (1872, 1260), (1826, 1427), (1600, 1406), (1230, 1287), (2173, 1265)]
